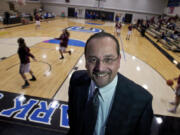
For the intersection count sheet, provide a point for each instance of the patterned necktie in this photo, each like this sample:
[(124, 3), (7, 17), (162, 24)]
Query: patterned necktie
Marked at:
[(91, 113)]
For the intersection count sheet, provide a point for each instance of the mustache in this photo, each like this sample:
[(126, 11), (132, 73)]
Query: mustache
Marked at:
[(100, 72)]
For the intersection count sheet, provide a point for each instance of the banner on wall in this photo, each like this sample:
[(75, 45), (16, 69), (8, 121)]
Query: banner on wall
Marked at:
[(173, 3)]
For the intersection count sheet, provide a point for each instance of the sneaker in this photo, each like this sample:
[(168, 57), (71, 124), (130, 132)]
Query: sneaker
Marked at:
[(69, 52), (25, 85), (61, 58), (33, 79), (172, 110)]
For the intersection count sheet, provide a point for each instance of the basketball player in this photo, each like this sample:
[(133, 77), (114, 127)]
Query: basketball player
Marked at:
[(24, 54), (38, 23), (118, 28), (64, 38), (177, 97), (129, 32)]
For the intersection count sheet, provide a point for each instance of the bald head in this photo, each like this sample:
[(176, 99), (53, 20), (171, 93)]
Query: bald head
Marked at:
[(102, 35)]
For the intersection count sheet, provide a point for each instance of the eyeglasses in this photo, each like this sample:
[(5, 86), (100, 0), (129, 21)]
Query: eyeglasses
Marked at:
[(107, 61)]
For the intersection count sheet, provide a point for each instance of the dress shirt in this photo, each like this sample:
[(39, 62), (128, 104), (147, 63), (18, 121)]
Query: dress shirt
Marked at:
[(105, 96)]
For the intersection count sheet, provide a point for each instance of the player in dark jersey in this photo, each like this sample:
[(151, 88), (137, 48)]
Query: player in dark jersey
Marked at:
[(24, 54), (64, 38), (177, 97), (129, 32), (118, 28), (37, 18)]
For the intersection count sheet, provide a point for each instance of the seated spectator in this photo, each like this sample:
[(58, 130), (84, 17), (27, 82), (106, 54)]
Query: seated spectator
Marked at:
[(147, 24), (174, 35), (164, 37), (46, 15), (152, 20), (75, 14), (97, 16), (171, 26), (123, 19), (88, 15), (143, 29), (93, 15), (158, 28), (138, 23)]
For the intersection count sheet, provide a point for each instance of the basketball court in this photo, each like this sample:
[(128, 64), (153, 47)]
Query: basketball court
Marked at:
[(47, 97)]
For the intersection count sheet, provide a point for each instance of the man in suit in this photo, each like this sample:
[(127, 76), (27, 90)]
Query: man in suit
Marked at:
[(124, 108)]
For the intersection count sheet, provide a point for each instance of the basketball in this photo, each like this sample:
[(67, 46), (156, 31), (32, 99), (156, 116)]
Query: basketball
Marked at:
[(169, 82)]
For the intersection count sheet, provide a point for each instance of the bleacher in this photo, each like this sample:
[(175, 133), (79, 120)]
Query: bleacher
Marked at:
[(169, 43)]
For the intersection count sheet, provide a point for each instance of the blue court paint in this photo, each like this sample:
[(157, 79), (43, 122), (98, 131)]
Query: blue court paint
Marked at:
[(84, 29), (93, 23), (71, 42)]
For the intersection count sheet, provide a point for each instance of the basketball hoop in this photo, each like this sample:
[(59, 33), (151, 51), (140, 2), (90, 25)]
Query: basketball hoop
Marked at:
[(21, 2)]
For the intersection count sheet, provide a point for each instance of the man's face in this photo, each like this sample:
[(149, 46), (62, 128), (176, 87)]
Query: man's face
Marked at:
[(102, 60)]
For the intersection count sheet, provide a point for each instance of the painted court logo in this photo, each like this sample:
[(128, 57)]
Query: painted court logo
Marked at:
[(83, 29), (36, 111)]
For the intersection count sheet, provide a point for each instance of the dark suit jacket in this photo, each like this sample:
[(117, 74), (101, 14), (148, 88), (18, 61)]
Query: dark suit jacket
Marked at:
[(131, 112)]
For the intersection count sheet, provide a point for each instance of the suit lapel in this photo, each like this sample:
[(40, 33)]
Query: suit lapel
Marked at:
[(83, 97), (118, 107), (83, 92)]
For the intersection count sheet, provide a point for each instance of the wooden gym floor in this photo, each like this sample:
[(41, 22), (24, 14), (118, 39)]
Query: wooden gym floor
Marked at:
[(140, 61)]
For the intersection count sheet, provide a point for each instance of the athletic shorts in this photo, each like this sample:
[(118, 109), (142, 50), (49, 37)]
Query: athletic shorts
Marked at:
[(118, 30), (129, 32), (62, 48), (38, 23), (24, 68)]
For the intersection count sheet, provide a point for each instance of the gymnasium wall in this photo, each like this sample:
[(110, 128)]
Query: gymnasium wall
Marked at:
[(172, 12), (144, 6), (27, 8), (176, 11), (4, 6), (139, 8), (56, 8)]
